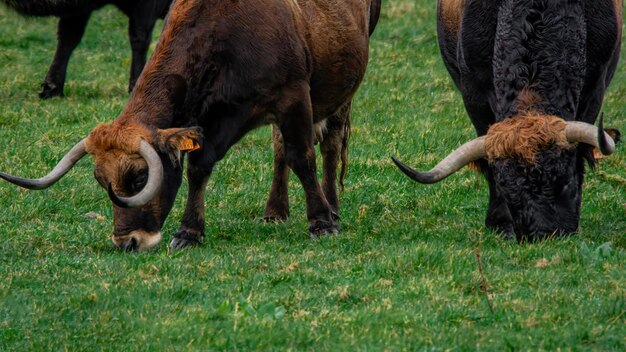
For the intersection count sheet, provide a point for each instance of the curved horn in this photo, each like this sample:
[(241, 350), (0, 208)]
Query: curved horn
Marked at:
[(463, 155), (155, 178), (587, 133), (66, 163)]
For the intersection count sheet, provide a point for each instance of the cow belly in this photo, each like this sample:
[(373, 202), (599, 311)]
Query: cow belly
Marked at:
[(332, 89)]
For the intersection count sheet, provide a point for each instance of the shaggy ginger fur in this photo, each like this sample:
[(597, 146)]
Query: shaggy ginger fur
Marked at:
[(110, 136), (451, 14), (524, 136)]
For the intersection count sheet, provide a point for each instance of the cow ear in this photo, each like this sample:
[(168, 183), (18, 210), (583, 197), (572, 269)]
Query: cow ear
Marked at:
[(614, 133), (617, 137), (177, 140)]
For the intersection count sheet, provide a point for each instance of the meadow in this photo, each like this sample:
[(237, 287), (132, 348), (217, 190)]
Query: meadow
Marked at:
[(401, 275)]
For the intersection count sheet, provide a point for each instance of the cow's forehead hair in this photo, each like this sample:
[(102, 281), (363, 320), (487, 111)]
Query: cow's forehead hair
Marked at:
[(524, 136), (124, 137), (113, 165)]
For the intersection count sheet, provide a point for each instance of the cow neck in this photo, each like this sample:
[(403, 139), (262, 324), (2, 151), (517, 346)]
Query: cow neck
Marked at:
[(149, 106), (156, 97)]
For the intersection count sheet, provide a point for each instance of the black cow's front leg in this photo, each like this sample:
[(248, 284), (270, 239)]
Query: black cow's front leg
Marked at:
[(191, 228), (277, 205), (499, 217), (141, 24), (70, 31), (296, 126)]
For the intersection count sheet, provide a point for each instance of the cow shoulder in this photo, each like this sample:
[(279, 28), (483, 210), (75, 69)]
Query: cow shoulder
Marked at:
[(604, 26), (476, 43)]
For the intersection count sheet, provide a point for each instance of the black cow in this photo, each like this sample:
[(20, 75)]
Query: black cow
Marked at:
[(228, 67), (73, 16), (533, 74)]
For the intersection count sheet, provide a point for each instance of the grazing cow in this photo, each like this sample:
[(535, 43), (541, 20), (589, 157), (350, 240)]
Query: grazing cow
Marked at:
[(533, 74), (73, 16), (225, 68)]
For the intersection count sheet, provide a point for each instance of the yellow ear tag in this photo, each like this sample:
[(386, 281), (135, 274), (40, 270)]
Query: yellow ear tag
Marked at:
[(188, 145)]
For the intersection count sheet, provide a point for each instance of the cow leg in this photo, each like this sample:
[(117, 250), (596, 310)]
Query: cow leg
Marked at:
[(191, 228), (295, 120), (141, 24), (277, 206), (70, 30), (332, 146), (498, 215)]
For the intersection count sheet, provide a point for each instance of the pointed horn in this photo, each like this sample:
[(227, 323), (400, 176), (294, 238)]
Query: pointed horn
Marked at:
[(66, 163), (155, 179), (582, 132), (463, 155)]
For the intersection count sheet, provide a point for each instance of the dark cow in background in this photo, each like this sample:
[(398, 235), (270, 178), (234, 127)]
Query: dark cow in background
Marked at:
[(73, 17), (225, 68), (533, 74)]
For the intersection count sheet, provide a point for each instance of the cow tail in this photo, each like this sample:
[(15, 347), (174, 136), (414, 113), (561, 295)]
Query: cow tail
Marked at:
[(374, 15), (344, 151)]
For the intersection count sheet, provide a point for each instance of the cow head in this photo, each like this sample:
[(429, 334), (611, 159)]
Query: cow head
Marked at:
[(534, 164), (140, 167)]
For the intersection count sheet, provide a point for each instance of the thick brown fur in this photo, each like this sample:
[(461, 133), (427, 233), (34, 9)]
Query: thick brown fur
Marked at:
[(451, 13), (528, 101), (228, 67), (524, 136), (124, 137)]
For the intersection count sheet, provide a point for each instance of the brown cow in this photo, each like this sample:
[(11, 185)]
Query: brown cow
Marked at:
[(227, 67)]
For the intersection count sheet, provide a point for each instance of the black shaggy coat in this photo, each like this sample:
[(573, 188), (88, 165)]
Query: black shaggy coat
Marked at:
[(564, 52), (73, 17)]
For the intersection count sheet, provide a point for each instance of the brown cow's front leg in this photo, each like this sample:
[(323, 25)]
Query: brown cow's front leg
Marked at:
[(277, 206), (69, 33), (296, 126), (191, 228)]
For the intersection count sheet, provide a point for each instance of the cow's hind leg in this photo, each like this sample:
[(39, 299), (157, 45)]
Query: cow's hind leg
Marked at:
[(333, 147), (295, 119), (277, 206), (70, 31), (191, 228)]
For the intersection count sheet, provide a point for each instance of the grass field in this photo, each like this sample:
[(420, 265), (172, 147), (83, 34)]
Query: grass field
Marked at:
[(402, 275)]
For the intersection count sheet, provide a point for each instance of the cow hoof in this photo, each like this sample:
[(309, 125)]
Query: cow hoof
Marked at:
[(273, 219), (507, 236), (185, 238), (274, 215), (323, 228), (49, 90)]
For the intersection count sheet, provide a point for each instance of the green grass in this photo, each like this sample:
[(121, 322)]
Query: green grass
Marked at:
[(402, 274)]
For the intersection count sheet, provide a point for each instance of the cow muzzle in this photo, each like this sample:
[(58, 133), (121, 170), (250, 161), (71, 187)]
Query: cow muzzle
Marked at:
[(137, 240)]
